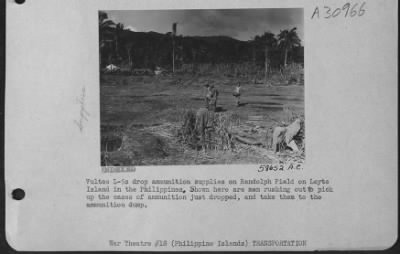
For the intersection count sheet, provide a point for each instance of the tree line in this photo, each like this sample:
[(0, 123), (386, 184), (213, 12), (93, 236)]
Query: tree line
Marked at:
[(123, 47)]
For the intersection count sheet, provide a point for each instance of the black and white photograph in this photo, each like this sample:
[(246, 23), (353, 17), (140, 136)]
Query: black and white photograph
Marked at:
[(182, 125), (207, 86)]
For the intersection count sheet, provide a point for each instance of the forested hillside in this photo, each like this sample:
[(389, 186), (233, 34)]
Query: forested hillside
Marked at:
[(130, 49)]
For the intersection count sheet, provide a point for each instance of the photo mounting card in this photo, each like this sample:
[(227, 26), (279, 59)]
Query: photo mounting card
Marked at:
[(181, 125)]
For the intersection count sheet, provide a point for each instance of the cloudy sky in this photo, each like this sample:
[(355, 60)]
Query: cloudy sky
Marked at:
[(242, 24)]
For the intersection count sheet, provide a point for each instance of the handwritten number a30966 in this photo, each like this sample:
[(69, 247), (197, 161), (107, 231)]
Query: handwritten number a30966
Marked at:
[(328, 12), (348, 10)]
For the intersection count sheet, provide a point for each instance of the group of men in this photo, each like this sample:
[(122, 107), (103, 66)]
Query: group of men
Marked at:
[(211, 97), (205, 120), (205, 115)]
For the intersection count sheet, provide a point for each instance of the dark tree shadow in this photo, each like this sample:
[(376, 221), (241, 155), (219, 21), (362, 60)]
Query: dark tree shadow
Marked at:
[(220, 109)]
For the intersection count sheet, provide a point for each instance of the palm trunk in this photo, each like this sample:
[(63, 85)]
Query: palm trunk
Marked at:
[(173, 55), (266, 64), (285, 59), (254, 54), (130, 59)]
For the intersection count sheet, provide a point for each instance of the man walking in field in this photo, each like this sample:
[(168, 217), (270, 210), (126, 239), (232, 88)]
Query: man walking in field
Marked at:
[(205, 116), (204, 126), (236, 93), (211, 97)]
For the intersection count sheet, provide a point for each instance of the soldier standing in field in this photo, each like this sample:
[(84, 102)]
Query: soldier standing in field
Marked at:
[(207, 96), (211, 97), (205, 126), (236, 93)]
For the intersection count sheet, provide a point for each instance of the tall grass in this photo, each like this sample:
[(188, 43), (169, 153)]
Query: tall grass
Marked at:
[(218, 137)]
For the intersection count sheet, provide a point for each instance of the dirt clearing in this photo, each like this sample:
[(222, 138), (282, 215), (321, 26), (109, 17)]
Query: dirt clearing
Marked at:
[(141, 117)]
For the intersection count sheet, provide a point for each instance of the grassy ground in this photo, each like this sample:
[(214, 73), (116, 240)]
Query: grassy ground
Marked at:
[(140, 116)]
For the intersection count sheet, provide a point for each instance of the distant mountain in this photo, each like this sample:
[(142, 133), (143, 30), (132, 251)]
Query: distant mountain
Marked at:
[(150, 49)]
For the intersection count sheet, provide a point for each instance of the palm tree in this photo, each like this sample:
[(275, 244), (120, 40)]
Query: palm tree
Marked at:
[(118, 31), (287, 41), (104, 25), (266, 41), (129, 47)]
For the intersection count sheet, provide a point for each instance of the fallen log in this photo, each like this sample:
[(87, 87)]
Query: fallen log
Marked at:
[(248, 141)]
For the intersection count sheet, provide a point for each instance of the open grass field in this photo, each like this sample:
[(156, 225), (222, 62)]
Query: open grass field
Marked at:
[(141, 116)]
